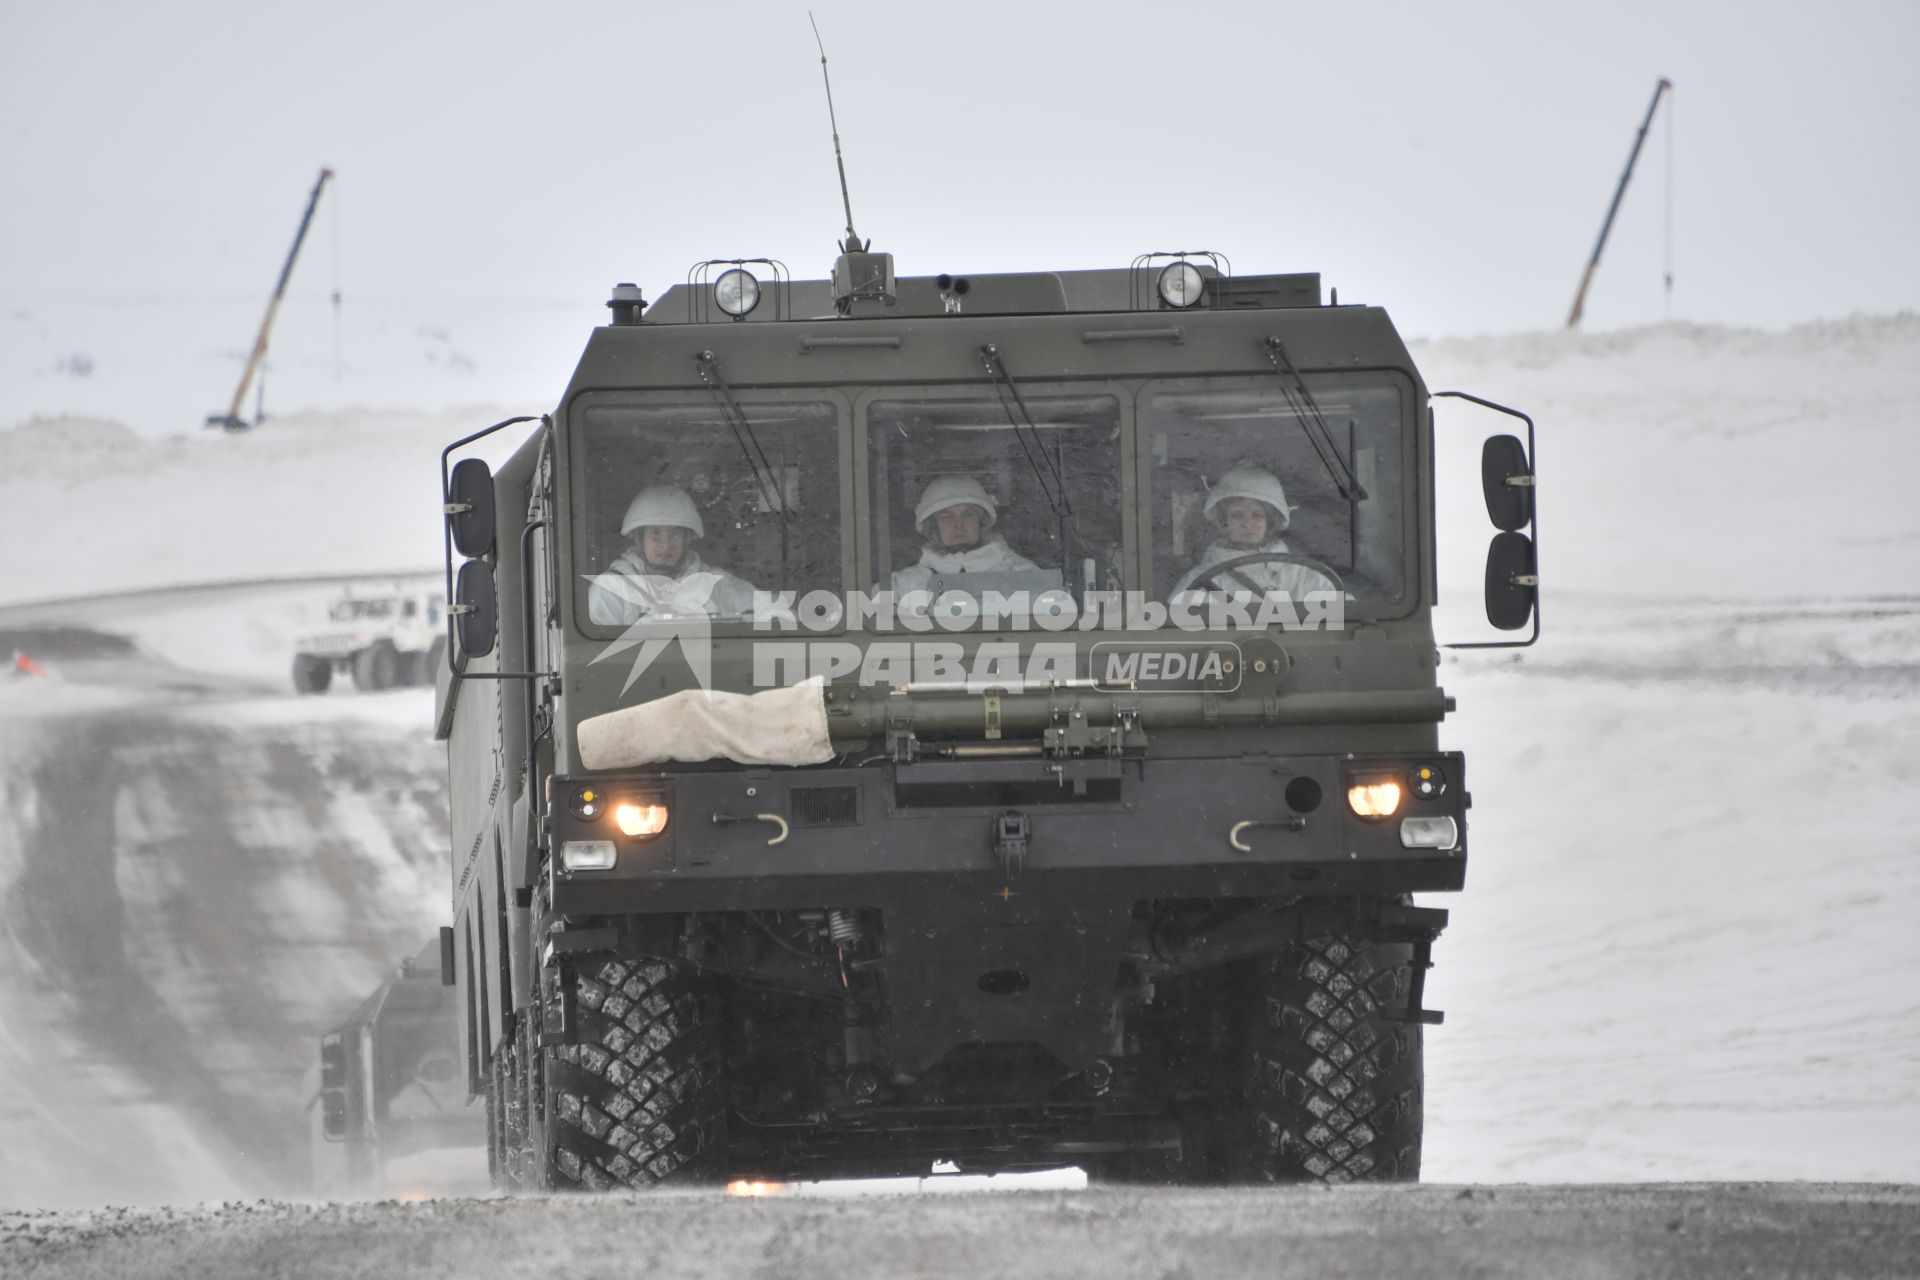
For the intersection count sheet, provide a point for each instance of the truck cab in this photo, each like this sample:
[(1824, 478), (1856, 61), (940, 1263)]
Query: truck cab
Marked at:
[(992, 720)]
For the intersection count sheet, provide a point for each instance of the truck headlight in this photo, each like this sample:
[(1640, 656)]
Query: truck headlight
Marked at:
[(640, 820), (1429, 833), (587, 855), (1374, 798)]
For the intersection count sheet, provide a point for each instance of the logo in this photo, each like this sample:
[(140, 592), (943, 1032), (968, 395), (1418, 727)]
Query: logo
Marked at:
[(1207, 666), (658, 612), (664, 610)]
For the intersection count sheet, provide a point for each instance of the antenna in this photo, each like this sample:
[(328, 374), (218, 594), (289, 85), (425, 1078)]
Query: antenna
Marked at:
[(853, 244)]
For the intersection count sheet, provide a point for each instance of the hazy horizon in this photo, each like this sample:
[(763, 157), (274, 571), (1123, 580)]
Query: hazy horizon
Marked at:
[(498, 171)]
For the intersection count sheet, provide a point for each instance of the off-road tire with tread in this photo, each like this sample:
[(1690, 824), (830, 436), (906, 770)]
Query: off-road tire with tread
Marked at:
[(640, 1099), (311, 674), (1332, 1090), (376, 667)]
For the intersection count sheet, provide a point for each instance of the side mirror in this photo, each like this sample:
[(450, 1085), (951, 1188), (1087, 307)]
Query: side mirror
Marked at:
[(1513, 586), (469, 507), (475, 612), (1508, 482)]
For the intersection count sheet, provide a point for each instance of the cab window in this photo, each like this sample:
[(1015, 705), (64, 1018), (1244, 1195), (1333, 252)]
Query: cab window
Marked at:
[(1032, 508), (758, 501), (1221, 455)]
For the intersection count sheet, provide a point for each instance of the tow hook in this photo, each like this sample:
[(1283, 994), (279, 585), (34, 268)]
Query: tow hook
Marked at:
[(1285, 824), (779, 824)]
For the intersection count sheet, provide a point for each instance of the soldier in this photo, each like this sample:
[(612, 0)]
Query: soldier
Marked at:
[(660, 575), (955, 517), (1251, 510)]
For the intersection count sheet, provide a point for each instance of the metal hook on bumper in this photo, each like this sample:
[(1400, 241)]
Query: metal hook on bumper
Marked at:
[(1233, 835), (728, 819)]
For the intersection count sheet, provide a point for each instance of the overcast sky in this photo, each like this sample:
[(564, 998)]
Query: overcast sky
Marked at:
[(499, 169)]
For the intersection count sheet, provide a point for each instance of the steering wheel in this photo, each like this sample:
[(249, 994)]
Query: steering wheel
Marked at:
[(1210, 579)]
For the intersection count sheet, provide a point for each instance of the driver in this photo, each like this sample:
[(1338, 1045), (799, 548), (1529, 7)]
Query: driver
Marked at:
[(1250, 509), (955, 517), (660, 575)]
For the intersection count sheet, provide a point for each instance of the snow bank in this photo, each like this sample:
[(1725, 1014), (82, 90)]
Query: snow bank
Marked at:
[(94, 508), (1687, 461)]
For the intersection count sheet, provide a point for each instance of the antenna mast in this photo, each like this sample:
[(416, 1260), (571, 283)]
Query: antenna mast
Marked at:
[(853, 244)]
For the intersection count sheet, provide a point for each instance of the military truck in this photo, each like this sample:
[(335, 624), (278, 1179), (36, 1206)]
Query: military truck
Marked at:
[(1103, 856), (392, 1111), (384, 636)]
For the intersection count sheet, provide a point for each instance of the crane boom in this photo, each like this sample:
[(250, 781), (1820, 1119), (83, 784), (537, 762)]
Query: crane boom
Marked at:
[(232, 420), (1639, 139)]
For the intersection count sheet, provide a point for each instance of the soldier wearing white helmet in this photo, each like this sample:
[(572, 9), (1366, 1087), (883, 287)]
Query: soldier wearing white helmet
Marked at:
[(955, 517), (1251, 510), (660, 575)]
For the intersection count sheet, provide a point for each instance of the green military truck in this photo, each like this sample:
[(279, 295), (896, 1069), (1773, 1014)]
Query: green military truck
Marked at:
[(982, 720)]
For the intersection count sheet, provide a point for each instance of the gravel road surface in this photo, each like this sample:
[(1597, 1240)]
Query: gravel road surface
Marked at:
[(1698, 1230)]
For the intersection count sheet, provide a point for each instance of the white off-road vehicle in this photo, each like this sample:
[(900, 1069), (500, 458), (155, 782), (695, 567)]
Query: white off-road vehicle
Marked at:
[(385, 637)]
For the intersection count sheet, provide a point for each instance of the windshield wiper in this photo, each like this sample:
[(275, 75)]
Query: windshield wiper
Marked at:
[(1008, 393), (772, 489), (1308, 411)]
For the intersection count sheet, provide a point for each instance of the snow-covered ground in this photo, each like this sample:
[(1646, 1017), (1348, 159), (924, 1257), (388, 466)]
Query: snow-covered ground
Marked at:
[(93, 507), (201, 874), (1685, 949)]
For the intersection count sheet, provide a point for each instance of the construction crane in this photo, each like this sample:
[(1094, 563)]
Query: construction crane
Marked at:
[(231, 419), (1586, 278)]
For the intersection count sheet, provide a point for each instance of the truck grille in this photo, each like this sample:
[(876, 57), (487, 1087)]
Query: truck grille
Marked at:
[(825, 806)]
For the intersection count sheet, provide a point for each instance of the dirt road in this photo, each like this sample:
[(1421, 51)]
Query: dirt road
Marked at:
[(1700, 1231)]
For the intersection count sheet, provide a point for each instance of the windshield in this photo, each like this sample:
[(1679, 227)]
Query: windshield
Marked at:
[(962, 500), (1237, 481), (686, 514), (351, 610)]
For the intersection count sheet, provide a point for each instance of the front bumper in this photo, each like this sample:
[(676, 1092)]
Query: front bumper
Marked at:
[(1008, 834)]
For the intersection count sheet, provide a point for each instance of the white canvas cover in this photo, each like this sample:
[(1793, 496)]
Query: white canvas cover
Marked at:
[(778, 726)]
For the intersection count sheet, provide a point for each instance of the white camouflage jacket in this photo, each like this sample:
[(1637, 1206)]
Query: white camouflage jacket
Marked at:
[(629, 591), (1272, 577), (991, 556)]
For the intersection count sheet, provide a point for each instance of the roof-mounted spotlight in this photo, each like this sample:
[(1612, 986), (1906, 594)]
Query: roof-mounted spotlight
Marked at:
[(731, 287), (1181, 284), (736, 292), (1185, 281)]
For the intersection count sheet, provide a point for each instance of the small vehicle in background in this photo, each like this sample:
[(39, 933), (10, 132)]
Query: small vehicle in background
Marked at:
[(392, 1117), (385, 638)]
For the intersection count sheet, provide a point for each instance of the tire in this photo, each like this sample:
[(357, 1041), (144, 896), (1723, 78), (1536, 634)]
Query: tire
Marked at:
[(311, 674), (1332, 1090), (640, 1100), (511, 1112), (434, 662), (498, 1078), (376, 667)]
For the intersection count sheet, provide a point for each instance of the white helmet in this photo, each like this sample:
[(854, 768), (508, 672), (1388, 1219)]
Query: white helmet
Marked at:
[(1255, 483), (954, 491), (662, 505)]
